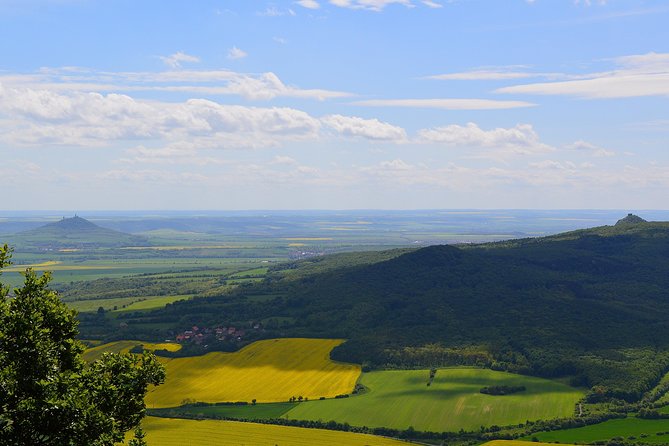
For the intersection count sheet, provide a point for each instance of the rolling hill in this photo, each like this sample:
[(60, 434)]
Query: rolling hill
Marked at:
[(73, 233), (590, 304)]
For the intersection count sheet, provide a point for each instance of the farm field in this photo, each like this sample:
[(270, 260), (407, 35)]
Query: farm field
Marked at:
[(151, 302), (515, 443), (179, 432), (268, 371), (94, 353), (648, 431), (400, 399)]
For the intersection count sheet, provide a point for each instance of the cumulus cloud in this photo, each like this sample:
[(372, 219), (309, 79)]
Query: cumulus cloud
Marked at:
[(235, 53), (175, 60), (634, 76), (446, 104), (365, 128), (46, 117), (584, 146), (497, 143), (309, 4)]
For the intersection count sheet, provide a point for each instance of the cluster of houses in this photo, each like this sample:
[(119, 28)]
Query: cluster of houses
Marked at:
[(199, 335)]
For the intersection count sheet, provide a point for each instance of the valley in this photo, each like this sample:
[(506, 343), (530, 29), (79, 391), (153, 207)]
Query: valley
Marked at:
[(398, 340)]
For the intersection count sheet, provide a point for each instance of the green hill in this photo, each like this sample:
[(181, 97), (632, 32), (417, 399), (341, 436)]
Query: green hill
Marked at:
[(72, 233), (590, 304)]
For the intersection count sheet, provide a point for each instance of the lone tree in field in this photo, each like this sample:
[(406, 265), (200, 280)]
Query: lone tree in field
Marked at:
[(48, 394)]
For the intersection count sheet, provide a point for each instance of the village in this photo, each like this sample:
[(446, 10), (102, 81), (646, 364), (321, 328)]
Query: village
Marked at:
[(202, 335)]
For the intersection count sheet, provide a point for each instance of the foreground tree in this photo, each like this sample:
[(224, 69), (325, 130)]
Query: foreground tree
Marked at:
[(48, 394)]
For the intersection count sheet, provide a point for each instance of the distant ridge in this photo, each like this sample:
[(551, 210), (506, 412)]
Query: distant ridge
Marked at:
[(75, 232)]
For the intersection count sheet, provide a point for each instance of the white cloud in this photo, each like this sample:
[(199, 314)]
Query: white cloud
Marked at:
[(263, 86), (446, 104), (285, 160), (584, 146), (273, 11), (590, 2), (175, 60), (498, 73), (432, 4), (365, 128), (36, 117), (635, 76), (235, 53), (152, 176), (370, 5), (309, 4), (499, 143)]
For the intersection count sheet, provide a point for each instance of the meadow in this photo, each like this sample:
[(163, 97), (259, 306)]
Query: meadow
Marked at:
[(646, 431), (96, 352), (514, 443), (268, 371), (401, 398), (179, 432)]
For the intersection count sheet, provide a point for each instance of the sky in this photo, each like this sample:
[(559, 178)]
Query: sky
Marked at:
[(334, 104)]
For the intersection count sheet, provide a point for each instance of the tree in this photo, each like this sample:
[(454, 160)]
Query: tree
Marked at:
[(48, 394)]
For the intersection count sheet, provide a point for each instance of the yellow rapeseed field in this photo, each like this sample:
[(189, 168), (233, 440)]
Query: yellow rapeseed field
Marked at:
[(176, 432), (94, 353), (267, 371)]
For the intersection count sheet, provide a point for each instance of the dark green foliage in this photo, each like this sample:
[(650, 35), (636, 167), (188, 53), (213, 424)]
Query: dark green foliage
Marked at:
[(502, 390), (48, 395), (591, 304)]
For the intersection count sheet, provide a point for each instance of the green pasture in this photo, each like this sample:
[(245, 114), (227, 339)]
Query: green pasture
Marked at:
[(646, 431), (400, 399), (152, 302), (107, 304)]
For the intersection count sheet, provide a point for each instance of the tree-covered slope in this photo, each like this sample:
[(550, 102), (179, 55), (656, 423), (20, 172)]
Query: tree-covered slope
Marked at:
[(593, 304)]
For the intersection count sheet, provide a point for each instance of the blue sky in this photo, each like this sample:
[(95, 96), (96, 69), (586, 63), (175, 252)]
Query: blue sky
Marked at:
[(334, 104)]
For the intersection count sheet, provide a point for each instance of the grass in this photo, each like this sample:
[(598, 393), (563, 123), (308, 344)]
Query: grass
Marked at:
[(152, 302), (94, 353), (107, 304), (178, 432), (401, 399), (644, 430), (267, 371), (515, 443)]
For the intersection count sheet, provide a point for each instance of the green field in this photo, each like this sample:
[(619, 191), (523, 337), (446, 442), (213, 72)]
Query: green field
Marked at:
[(151, 302), (643, 430), (95, 353), (400, 399)]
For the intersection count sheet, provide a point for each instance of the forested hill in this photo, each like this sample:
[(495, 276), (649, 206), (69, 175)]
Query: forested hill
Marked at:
[(75, 232), (593, 303)]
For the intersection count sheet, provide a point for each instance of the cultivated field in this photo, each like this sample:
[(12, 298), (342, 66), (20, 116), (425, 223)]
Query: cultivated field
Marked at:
[(267, 371), (400, 399), (645, 431), (176, 432), (94, 353), (515, 443)]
